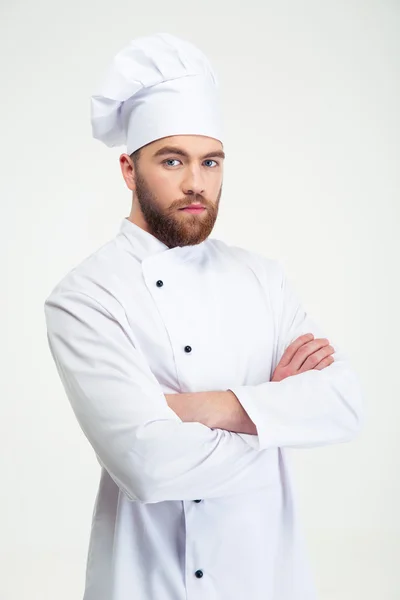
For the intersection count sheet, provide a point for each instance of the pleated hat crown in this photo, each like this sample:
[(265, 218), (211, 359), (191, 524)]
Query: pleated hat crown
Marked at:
[(156, 86)]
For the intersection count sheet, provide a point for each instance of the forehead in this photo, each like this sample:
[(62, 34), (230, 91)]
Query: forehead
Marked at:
[(194, 145)]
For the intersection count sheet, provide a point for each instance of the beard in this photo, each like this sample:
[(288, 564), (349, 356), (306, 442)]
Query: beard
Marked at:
[(172, 226)]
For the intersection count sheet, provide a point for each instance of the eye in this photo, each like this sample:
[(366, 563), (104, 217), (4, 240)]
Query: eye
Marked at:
[(169, 160)]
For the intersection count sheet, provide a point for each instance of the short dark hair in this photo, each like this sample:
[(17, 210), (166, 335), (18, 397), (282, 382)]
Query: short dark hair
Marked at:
[(135, 156)]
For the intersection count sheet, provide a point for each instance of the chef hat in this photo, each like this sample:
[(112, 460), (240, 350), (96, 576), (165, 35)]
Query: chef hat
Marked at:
[(156, 86)]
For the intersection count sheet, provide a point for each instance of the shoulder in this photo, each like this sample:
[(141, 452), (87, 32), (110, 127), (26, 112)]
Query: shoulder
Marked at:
[(95, 277)]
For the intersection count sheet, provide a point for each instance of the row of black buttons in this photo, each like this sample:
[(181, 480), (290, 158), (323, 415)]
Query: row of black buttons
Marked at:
[(199, 573)]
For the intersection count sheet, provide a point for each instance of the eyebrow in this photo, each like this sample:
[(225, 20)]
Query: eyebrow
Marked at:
[(175, 150)]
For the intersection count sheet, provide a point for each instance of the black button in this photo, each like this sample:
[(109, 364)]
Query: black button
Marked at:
[(159, 283), (188, 348), (199, 573), (196, 500)]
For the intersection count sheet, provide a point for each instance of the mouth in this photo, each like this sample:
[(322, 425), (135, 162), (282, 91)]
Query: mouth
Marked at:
[(193, 208)]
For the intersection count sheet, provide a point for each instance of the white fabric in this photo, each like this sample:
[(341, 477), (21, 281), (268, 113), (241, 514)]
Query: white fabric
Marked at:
[(156, 86), (118, 340)]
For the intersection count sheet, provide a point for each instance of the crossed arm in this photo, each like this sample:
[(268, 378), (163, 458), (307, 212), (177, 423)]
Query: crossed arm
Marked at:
[(223, 409), (140, 435), (214, 409)]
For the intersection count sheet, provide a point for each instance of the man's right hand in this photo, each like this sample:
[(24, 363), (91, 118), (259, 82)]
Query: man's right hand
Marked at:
[(304, 354)]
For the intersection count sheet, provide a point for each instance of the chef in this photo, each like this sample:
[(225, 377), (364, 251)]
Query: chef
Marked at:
[(190, 363)]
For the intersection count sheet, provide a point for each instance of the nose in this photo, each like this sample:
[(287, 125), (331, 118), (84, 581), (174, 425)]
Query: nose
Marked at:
[(193, 182)]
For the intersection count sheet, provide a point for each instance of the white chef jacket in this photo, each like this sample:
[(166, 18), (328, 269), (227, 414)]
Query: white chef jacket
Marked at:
[(184, 511)]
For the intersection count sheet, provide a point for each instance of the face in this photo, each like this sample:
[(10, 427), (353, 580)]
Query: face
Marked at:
[(173, 173)]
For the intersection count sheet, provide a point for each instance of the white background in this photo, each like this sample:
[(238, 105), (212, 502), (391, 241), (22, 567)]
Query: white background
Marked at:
[(310, 95)]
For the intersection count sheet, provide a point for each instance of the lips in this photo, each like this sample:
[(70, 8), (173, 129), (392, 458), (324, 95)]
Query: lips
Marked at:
[(194, 207)]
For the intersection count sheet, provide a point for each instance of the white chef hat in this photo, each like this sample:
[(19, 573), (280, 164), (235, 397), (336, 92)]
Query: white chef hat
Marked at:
[(157, 86)]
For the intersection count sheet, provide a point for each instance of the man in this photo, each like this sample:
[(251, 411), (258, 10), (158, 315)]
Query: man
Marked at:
[(190, 364)]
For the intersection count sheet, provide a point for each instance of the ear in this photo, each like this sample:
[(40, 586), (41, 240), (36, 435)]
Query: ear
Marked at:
[(128, 171)]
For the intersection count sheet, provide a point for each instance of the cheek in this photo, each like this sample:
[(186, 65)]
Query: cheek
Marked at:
[(215, 184), (161, 179), (164, 184)]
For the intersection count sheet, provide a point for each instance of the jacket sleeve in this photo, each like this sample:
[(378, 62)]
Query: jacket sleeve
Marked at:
[(314, 408), (151, 454)]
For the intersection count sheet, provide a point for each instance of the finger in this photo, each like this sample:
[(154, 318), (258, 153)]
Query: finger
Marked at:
[(325, 363), (307, 350), (314, 359), (293, 347)]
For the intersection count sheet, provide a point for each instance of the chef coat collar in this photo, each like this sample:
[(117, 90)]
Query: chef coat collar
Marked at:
[(145, 244)]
